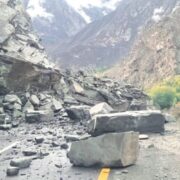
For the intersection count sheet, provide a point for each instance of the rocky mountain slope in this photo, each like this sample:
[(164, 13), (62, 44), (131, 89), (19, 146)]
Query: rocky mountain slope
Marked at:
[(55, 21), (23, 61), (42, 110), (16, 36), (155, 55), (25, 70), (105, 41)]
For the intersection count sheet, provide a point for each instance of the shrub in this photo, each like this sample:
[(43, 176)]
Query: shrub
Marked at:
[(166, 93), (164, 97)]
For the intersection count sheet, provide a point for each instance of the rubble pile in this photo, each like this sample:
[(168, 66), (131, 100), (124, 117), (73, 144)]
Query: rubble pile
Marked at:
[(70, 96), (16, 36), (71, 104)]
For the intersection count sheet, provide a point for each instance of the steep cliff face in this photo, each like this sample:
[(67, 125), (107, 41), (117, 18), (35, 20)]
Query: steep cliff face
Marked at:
[(155, 55), (16, 36), (23, 61)]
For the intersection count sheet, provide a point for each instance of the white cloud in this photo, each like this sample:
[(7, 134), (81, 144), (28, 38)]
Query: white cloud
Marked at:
[(157, 14), (35, 8)]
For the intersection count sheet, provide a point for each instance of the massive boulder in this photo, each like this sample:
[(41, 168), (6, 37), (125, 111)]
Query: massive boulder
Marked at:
[(140, 121), (20, 75), (109, 150)]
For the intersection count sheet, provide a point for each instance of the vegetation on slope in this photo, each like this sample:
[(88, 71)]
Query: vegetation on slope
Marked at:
[(166, 93)]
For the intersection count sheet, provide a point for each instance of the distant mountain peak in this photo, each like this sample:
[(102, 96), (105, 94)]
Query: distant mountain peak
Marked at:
[(36, 8)]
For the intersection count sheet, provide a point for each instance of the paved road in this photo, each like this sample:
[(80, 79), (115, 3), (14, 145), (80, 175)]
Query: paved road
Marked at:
[(159, 159)]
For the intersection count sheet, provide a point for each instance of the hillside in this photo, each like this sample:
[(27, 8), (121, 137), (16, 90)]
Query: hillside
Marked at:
[(155, 55), (109, 39)]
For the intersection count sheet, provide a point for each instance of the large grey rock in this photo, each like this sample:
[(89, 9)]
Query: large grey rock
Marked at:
[(56, 105), (34, 100), (12, 98), (21, 163), (76, 88), (12, 171), (101, 108), (5, 127), (78, 112), (19, 75), (109, 150), (38, 116), (141, 121)]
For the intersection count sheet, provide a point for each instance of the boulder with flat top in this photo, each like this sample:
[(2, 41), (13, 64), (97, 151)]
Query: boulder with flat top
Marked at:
[(140, 121), (108, 150)]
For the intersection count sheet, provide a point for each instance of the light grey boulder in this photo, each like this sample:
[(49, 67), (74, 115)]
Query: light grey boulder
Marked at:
[(34, 100), (101, 108), (39, 139), (78, 112), (140, 121), (109, 150), (21, 163), (5, 127), (77, 88), (38, 116), (41, 96), (29, 152), (12, 98), (56, 105)]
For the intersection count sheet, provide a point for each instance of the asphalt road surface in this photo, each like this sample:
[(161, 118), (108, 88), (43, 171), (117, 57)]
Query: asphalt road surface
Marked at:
[(159, 157)]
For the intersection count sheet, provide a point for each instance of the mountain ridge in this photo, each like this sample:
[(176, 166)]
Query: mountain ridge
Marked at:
[(105, 41), (155, 55)]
